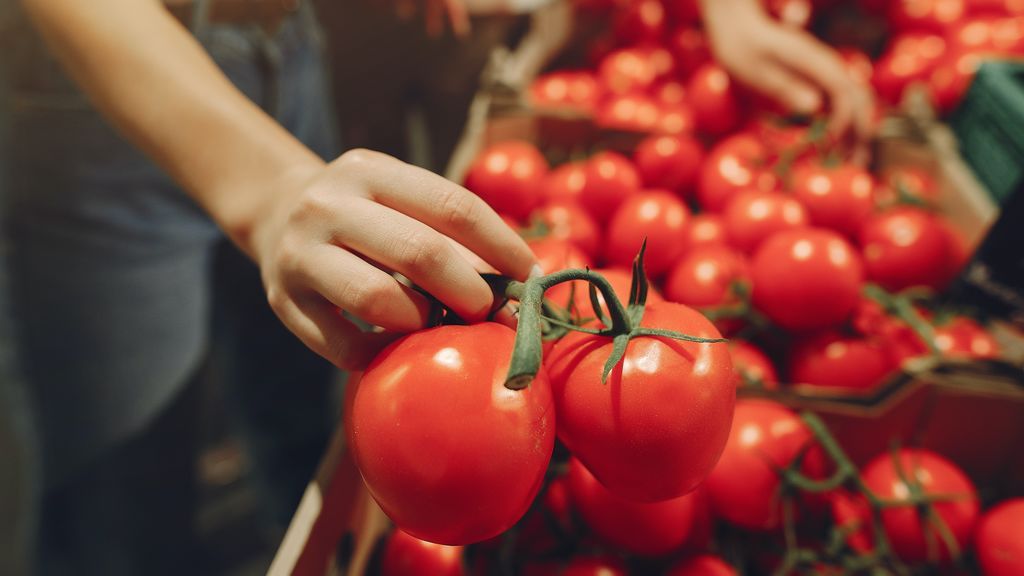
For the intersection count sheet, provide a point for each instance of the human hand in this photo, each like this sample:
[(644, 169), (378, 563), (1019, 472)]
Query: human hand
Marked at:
[(333, 245), (435, 12)]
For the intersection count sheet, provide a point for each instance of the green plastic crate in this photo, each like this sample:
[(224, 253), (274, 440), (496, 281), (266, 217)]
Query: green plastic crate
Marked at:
[(989, 125)]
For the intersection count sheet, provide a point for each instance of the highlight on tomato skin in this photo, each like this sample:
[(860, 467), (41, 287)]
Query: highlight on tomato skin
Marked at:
[(406, 555), (997, 542)]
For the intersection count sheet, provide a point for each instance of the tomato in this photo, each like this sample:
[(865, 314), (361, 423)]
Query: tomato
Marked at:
[(959, 251), (645, 528), (640, 21), (703, 565), (683, 12), (858, 64), (629, 112), (609, 179), (579, 292), (964, 338), (595, 566), (405, 555), (656, 216), (840, 198), (537, 535), (750, 364), (998, 543), (657, 426), (831, 360), (443, 479), (670, 162), (714, 100), (751, 216), (507, 175), (744, 487), (577, 89), (670, 93), (806, 279), (704, 230), (675, 120), (554, 254), (906, 247), (851, 513), (734, 164), (907, 181), (627, 70), (928, 15), (999, 7), (570, 222), (565, 183), (911, 57), (708, 277), (953, 76), (690, 48), (935, 475)]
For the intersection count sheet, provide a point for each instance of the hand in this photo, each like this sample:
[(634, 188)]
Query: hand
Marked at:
[(787, 64), (333, 246), (435, 12)]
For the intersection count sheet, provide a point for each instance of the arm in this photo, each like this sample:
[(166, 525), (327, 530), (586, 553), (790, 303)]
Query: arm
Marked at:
[(305, 222)]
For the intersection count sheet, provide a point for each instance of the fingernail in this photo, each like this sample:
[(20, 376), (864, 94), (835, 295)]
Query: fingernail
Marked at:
[(535, 272)]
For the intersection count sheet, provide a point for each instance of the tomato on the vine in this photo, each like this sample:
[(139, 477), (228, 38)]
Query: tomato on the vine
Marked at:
[(690, 48), (907, 182), (406, 555), (507, 175), (710, 277), (627, 70), (609, 178), (595, 566), (675, 120), (570, 222), (565, 183), (554, 254), (840, 197), (965, 338), (715, 102), (998, 543), (831, 360), (630, 112), (734, 164), (579, 292), (751, 216), (910, 57), (670, 162), (640, 21), (905, 247), (703, 565), (576, 89), (751, 365), (705, 229), (928, 15), (443, 479), (655, 216)]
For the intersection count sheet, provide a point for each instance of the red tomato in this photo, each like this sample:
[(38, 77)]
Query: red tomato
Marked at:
[(627, 70), (704, 565), (953, 76), (579, 292), (751, 216), (683, 12), (909, 181), (927, 15), (707, 277), (732, 165), (831, 360), (964, 338), (570, 222), (839, 198), (749, 363), (565, 183), (670, 93), (656, 216), (998, 543), (645, 528), (1001, 7), (564, 88), (744, 486), (851, 513), (675, 120), (959, 252), (806, 279), (442, 479), (704, 230), (714, 100), (935, 475), (911, 57), (656, 428), (670, 162), (640, 21), (690, 48), (554, 254), (405, 555), (906, 247), (537, 534), (630, 112), (609, 179), (595, 566), (507, 175)]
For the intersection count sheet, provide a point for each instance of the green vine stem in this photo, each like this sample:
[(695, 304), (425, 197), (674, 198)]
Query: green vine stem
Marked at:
[(903, 308)]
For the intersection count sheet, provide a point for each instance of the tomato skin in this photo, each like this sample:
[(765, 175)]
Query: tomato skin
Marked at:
[(714, 100), (690, 48), (627, 70), (629, 112), (451, 480), (554, 254), (570, 222), (565, 183), (831, 360), (731, 166), (405, 555), (937, 476), (705, 229), (997, 543), (929, 15), (964, 338), (507, 175), (911, 181), (743, 487), (840, 198), (595, 566), (703, 565), (675, 120), (619, 278), (806, 279), (706, 277), (748, 360), (953, 76), (670, 162), (640, 21), (655, 215), (656, 428), (576, 89), (537, 536), (609, 179), (910, 57), (645, 528), (905, 247), (751, 216)]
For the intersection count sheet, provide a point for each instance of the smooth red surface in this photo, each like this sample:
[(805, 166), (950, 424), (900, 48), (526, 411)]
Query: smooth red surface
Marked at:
[(831, 360), (734, 164), (704, 565), (840, 198), (507, 176), (405, 555), (609, 178), (567, 220), (706, 276), (999, 541), (712, 95), (555, 254), (670, 162), (748, 360), (904, 247), (705, 229), (752, 216), (657, 216)]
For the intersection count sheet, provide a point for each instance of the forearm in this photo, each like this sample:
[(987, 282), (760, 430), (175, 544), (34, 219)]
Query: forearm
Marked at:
[(156, 84)]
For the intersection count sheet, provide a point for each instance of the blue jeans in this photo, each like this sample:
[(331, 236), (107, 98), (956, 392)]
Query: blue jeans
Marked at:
[(113, 285)]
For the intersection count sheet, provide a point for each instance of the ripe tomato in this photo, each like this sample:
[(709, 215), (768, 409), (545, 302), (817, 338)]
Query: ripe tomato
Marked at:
[(851, 513), (906, 247), (998, 543), (629, 112), (595, 566), (640, 21), (749, 364), (690, 48), (576, 89), (670, 93), (507, 175), (714, 100), (537, 535), (708, 277), (579, 292), (907, 181), (751, 216), (840, 198), (683, 12), (963, 337), (443, 479), (675, 120), (703, 565), (911, 56), (935, 475), (670, 162), (928, 15), (565, 183), (806, 279), (704, 230), (645, 528), (831, 360), (609, 179), (732, 165), (405, 555), (744, 486), (627, 70), (655, 215), (656, 428), (570, 222), (554, 254), (951, 78)]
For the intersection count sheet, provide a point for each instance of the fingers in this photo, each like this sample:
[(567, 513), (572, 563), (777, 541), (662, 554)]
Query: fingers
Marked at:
[(444, 206), (458, 17), (785, 87), (818, 63)]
